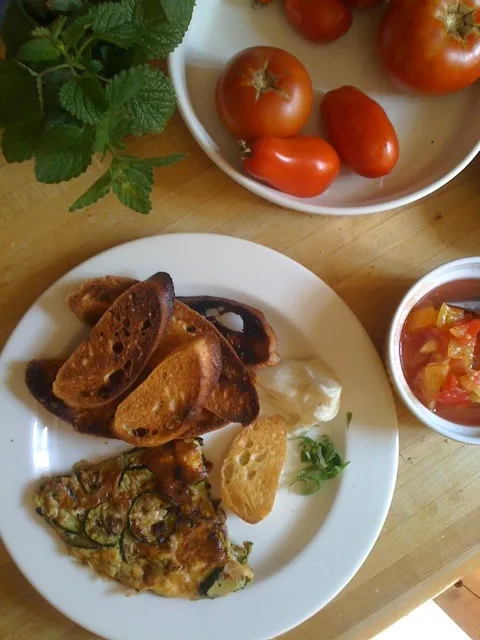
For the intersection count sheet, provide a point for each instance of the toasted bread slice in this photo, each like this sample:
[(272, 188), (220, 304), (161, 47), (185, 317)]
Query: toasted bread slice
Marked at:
[(166, 404), (96, 295), (205, 422), (119, 346), (255, 344), (235, 399), (251, 470), (39, 378)]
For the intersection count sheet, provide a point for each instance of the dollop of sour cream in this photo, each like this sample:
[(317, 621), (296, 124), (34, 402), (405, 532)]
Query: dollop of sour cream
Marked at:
[(305, 392)]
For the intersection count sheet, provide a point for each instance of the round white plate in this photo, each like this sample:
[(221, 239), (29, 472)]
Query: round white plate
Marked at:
[(438, 136), (307, 549)]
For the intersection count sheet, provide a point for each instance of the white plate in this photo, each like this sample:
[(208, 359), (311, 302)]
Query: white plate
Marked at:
[(307, 549), (438, 136)]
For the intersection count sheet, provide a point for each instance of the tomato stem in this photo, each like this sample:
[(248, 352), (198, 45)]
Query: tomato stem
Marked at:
[(245, 151), (460, 21)]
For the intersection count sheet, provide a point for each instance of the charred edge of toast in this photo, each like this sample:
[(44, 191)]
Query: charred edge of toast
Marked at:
[(123, 341), (39, 377), (256, 344), (96, 295)]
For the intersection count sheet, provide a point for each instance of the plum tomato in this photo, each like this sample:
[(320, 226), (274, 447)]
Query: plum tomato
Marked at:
[(304, 166), (360, 131)]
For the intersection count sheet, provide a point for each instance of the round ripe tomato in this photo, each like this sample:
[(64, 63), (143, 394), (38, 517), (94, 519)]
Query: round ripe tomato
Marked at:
[(303, 166), (363, 4), (360, 131), (431, 46), (264, 91), (319, 21)]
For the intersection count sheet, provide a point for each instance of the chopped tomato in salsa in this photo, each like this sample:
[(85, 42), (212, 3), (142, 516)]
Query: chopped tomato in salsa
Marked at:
[(441, 359)]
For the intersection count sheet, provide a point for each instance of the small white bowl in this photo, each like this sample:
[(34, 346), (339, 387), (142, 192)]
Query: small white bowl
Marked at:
[(457, 270)]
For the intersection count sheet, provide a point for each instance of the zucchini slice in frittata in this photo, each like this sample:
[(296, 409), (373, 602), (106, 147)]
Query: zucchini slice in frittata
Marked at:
[(147, 520)]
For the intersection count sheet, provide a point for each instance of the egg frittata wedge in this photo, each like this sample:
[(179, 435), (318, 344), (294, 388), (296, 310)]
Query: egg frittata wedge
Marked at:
[(146, 519)]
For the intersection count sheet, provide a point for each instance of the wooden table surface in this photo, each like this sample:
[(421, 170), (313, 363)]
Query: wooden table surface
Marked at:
[(431, 536)]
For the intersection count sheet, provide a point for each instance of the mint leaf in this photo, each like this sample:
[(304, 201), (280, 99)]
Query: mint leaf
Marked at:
[(164, 33), (94, 66), (154, 104), (127, 84), (98, 190), (64, 153), (111, 129), (19, 102), (16, 26), (18, 143), (84, 98), (39, 50), (132, 185), (41, 32), (76, 29), (52, 83), (64, 5), (113, 22)]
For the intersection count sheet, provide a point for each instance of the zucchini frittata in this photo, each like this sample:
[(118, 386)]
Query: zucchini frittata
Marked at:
[(146, 519)]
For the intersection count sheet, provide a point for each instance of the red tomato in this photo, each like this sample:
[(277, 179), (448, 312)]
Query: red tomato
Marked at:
[(465, 332), (360, 131), (264, 91), (319, 21), (363, 4), (303, 166), (432, 46), (453, 394)]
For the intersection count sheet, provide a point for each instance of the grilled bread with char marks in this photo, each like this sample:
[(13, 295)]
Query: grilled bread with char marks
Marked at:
[(235, 399), (119, 346)]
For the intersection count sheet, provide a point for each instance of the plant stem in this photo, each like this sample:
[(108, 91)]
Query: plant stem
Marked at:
[(59, 66), (87, 43)]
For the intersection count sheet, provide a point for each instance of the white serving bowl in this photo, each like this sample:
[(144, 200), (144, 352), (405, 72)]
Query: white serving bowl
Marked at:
[(463, 269), (438, 135)]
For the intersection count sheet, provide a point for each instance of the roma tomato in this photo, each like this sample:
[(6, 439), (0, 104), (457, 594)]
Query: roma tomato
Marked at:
[(319, 21), (303, 166), (264, 91), (431, 46), (360, 131), (363, 4)]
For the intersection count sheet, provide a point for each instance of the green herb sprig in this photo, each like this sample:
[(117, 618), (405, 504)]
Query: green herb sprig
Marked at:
[(76, 81), (322, 461)]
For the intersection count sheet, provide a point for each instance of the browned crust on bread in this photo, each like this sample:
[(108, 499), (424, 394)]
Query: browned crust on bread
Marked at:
[(119, 346), (96, 295), (39, 377), (167, 403), (205, 422), (251, 469), (235, 399), (256, 344)]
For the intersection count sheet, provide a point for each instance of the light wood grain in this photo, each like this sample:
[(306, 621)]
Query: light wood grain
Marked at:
[(431, 535), (462, 603)]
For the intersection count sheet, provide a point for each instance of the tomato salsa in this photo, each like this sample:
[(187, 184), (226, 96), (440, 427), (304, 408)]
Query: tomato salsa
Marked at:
[(440, 353)]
